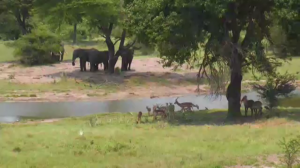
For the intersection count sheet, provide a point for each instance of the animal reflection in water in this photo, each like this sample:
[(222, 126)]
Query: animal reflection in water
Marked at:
[(254, 106), (168, 111)]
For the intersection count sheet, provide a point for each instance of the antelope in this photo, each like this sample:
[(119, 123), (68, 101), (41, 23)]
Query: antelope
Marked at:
[(157, 111), (139, 117), (257, 108), (186, 105), (149, 110), (253, 105)]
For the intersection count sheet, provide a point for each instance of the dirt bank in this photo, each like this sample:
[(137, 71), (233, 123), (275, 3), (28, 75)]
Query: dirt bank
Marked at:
[(148, 79)]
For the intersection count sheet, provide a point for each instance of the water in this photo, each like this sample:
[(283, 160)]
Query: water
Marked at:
[(12, 112)]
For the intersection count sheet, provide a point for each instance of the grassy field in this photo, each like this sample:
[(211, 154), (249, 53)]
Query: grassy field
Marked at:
[(114, 140)]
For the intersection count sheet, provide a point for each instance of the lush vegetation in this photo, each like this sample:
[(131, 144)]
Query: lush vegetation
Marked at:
[(114, 140), (234, 35)]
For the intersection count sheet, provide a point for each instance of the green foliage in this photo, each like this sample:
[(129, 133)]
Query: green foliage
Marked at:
[(9, 30), (22, 10), (96, 12), (276, 85), (35, 48), (291, 149), (288, 18)]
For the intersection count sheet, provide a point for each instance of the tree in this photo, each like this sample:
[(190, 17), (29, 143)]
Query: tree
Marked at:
[(9, 30), (230, 31), (100, 14), (288, 27), (35, 48), (277, 85), (21, 9), (59, 12)]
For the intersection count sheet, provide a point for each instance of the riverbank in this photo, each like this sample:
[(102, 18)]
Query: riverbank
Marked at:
[(64, 82), (115, 140)]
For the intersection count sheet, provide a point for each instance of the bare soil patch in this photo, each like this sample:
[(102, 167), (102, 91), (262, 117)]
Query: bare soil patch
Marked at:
[(148, 78)]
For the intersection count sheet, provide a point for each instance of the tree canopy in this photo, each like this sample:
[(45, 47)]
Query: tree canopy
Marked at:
[(229, 31)]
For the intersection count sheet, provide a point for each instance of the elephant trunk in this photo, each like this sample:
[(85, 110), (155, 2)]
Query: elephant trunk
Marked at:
[(74, 58)]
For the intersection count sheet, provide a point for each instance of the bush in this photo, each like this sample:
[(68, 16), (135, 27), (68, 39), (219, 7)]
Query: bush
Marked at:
[(291, 149), (276, 85), (35, 48)]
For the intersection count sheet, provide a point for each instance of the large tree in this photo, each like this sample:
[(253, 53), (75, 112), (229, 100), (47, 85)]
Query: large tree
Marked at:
[(102, 15), (58, 12), (230, 31), (21, 10)]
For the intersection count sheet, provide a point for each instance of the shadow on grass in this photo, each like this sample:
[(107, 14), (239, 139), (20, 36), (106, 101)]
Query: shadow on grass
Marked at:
[(218, 118)]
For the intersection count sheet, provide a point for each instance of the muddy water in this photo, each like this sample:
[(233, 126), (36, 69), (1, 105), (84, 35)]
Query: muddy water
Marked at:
[(11, 112)]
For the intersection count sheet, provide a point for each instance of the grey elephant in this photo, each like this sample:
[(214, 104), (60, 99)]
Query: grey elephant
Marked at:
[(98, 57), (58, 56), (127, 57), (83, 56), (93, 56)]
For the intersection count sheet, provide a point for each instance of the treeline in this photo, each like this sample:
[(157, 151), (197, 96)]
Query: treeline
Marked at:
[(39, 26)]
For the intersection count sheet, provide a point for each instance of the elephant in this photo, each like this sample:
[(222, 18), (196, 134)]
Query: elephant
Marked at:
[(83, 56), (60, 55), (97, 57), (93, 56), (62, 52), (127, 57)]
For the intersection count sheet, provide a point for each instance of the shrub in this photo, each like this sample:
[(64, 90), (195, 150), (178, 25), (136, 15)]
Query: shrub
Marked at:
[(35, 48), (276, 85), (291, 150)]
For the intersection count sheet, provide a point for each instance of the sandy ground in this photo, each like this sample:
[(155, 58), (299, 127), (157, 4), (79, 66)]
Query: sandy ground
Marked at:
[(144, 68)]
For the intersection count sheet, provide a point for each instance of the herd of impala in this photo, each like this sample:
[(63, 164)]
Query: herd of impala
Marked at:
[(169, 109)]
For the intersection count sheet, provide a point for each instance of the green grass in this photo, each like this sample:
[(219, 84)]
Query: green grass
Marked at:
[(11, 89), (291, 102), (6, 53), (291, 67), (114, 140)]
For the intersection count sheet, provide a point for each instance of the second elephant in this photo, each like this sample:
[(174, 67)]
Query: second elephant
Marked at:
[(97, 57), (93, 56), (127, 57)]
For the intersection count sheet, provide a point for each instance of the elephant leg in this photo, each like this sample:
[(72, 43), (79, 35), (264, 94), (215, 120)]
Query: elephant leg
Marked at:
[(123, 64), (84, 65), (81, 64), (92, 67), (96, 67), (129, 67), (62, 56), (105, 65)]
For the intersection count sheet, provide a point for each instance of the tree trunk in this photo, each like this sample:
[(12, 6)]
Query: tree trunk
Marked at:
[(75, 34), (21, 23), (121, 46), (111, 49), (234, 96), (233, 93)]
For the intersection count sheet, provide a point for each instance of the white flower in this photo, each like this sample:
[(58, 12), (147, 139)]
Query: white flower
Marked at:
[(80, 132)]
